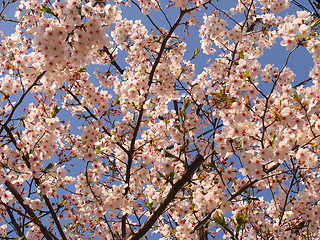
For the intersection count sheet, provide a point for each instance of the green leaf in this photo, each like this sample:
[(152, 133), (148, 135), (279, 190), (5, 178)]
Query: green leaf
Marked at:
[(55, 110), (240, 220), (241, 54), (192, 128), (62, 202), (49, 166), (27, 156), (117, 101), (274, 135), (231, 100), (178, 127), (185, 106), (148, 204), (219, 219), (213, 165), (97, 150), (82, 69), (170, 177), (295, 96), (169, 155), (316, 23), (221, 94), (195, 53), (162, 175), (46, 9)]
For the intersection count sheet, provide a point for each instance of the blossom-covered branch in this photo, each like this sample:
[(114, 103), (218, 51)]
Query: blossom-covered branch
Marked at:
[(184, 119)]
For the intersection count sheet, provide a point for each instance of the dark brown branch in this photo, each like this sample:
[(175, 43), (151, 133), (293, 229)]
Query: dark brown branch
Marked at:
[(123, 226), (150, 19), (202, 233), (53, 214), (148, 224), (93, 116), (20, 101), (89, 185), (130, 153), (33, 216), (234, 195), (288, 194), (13, 140), (112, 60), (302, 83), (152, 72), (194, 165), (14, 209), (15, 224), (37, 181), (264, 128), (22, 214), (175, 106)]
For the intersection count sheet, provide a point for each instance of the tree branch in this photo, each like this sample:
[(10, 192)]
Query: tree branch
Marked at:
[(194, 165), (20, 100), (93, 116), (33, 216), (112, 60), (234, 195), (15, 224), (37, 181), (153, 70)]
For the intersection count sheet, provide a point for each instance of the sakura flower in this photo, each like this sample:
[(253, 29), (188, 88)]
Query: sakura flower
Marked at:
[(304, 30), (3, 230)]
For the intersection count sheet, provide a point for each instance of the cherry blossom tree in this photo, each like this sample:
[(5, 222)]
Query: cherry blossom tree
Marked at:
[(115, 128)]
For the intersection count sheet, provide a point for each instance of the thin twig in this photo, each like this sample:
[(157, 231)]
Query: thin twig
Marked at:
[(20, 101)]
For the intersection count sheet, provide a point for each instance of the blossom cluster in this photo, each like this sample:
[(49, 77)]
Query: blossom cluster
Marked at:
[(115, 128)]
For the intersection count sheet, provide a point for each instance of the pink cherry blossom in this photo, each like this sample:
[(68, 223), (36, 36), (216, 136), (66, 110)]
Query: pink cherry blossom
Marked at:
[(169, 120)]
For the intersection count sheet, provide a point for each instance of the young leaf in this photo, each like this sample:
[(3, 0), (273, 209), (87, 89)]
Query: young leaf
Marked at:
[(219, 219), (55, 110), (148, 204), (184, 107), (82, 69), (213, 165), (239, 221), (169, 155), (195, 53), (117, 101), (97, 150), (316, 23), (49, 166), (241, 54), (46, 10)]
